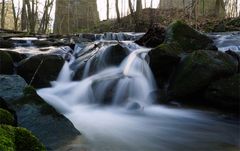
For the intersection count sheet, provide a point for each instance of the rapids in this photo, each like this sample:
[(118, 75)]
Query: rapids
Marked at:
[(131, 121)]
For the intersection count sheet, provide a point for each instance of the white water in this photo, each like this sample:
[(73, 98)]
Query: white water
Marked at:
[(146, 128), (227, 41)]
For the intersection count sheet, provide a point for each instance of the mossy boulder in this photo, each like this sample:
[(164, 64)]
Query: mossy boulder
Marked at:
[(40, 69), (188, 38), (53, 129), (18, 139), (6, 117), (196, 71), (225, 92), (6, 44), (6, 63), (11, 87), (163, 61)]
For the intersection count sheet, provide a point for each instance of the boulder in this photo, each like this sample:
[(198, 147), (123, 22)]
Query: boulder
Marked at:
[(6, 117), (40, 70), (6, 44), (225, 92), (114, 55), (53, 129), (11, 87), (154, 37), (188, 38), (236, 56), (96, 61), (42, 43), (6, 63), (196, 71), (163, 61), (20, 139), (16, 57)]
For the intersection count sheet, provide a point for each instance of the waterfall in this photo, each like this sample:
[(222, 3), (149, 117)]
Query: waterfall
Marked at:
[(132, 79), (112, 105)]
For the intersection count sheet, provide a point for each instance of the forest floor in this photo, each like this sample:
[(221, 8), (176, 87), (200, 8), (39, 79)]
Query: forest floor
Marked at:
[(164, 18)]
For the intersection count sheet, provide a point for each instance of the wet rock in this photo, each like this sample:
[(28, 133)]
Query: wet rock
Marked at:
[(40, 70), (163, 61), (134, 106), (236, 56), (197, 70), (16, 57), (6, 44), (16, 138), (88, 37), (11, 87), (188, 38), (224, 92), (96, 60), (114, 55), (6, 63), (42, 43), (53, 129), (154, 37)]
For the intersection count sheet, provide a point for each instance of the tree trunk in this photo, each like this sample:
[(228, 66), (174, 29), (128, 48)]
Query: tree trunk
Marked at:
[(3, 14), (24, 16), (117, 11), (15, 16), (107, 9)]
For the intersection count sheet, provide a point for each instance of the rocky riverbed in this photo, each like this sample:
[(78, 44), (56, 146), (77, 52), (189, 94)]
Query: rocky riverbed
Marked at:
[(175, 66)]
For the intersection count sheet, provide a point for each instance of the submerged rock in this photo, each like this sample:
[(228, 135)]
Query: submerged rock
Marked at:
[(20, 139), (197, 70), (163, 61), (154, 37), (53, 129), (225, 92), (133, 106), (40, 69), (6, 63), (187, 38)]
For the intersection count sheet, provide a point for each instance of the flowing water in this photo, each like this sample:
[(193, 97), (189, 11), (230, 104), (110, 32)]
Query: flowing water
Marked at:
[(130, 121)]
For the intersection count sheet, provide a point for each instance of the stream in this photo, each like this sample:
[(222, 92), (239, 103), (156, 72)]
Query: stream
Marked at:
[(131, 121)]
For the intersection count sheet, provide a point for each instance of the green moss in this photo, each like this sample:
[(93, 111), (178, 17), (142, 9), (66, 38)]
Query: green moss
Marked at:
[(7, 138), (225, 90), (170, 49), (6, 117), (188, 38), (18, 139), (197, 70), (25, 140)]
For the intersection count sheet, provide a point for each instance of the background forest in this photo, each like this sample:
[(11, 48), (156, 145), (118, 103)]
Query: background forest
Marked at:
[(72, 16)]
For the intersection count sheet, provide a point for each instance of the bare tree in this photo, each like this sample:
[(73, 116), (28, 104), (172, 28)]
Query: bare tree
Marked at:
[(3, 14), (117, 11), (24, 16), (130, 7), (46, 16), (16, 14), (107, 9)]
